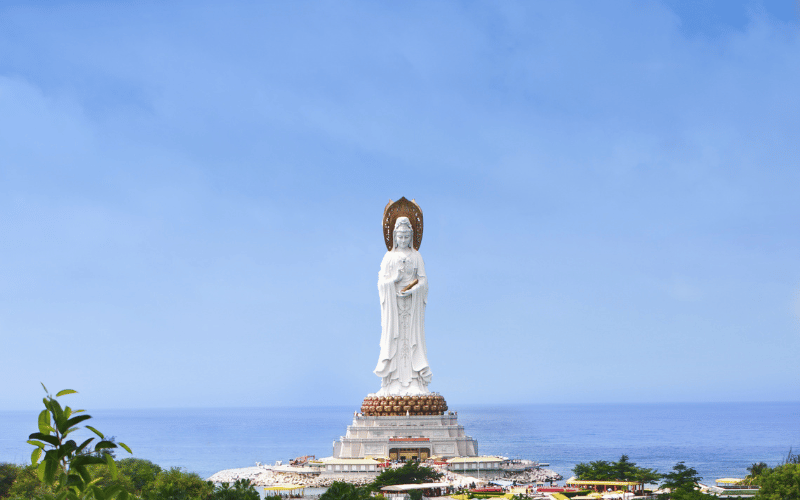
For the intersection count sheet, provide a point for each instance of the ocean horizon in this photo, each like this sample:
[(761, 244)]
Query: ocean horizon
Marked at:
[(717, 439)]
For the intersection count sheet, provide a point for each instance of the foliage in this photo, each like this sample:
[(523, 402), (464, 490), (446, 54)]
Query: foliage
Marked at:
[(8, 474), (780, 483), (65, 467), (28, 485), (411, 472), (683, 494), (579, 493), (141, 472), (345, 491), (755, 471), (791, 458), (242, 490), (681, 478), (176, 484), (621, 470)]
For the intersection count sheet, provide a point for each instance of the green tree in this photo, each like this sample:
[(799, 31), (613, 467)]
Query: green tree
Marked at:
[(755, 471), (621, 470), (242, 490), (691, 495), (65, 465), (141, 472), (28, 485), (8, 474), (410, 473), (780, 483), (792, 458), (600, 470), (175, 484), (681, 478), (344, 491)]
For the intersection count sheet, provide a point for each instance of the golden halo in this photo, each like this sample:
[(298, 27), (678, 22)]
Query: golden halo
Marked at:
[(402, 208)]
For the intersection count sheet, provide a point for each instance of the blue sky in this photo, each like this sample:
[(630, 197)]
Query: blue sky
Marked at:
[(191, 193)]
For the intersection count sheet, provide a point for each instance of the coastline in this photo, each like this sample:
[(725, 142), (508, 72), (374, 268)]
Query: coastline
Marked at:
[(282, 475)]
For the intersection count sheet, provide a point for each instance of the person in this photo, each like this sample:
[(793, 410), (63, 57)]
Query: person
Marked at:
[(403, 360)]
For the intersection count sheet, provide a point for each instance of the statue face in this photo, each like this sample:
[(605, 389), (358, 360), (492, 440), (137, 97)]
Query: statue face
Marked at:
[(403, 239)]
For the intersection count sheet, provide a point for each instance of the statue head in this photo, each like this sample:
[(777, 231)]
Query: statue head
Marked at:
[(403, 233)]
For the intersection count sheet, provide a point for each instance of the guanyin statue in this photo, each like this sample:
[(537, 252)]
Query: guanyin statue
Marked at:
[(403, 290)]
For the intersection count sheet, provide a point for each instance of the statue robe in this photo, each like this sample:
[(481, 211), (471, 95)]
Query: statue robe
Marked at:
[(403, 360)]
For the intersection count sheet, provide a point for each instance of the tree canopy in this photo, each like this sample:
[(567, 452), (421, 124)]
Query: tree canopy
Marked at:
[(621, 470), (411, 472), (780, 483), (345, 491), (681, 478)]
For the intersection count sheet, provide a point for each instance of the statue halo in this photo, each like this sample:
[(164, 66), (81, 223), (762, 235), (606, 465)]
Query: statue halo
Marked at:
[(402, 208)]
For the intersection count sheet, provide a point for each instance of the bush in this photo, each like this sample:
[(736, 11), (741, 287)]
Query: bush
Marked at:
[(242, 490), (581, 493), (8, 474), (141, 472), (66, 468), (345, 491), (28, 485), (409, 473), (781, 483), (175, 484)]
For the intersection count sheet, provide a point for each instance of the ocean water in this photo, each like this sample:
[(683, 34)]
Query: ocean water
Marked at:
[(717, 439)]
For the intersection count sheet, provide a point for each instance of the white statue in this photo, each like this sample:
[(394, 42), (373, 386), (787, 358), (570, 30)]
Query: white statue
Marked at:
[(403, 289)]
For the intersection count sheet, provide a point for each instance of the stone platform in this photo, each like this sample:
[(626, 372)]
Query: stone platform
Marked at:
[(405, 437)]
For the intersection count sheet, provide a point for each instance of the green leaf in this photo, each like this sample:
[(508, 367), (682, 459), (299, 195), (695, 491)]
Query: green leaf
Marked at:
[(40, 470), (96, 431), (66, 449), (84, 472), (87, 460), (44, 437), (84, 444), (112, 491), (45, 388), (98, 493), (125, 447), (76, 420), (50, 469), (64, 392), (36, 455), (36, 443), (123, 495), (44, 422), (62, 480), (112, 466), (102, 445), (58, 415)]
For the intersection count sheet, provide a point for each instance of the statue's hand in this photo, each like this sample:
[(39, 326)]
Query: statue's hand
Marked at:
[(407, 292)]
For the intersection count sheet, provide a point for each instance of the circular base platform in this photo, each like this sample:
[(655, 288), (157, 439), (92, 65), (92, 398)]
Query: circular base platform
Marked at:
[(393, 406)]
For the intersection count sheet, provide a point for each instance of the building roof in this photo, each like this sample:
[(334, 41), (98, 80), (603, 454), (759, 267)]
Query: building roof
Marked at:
[(603, 483), (730, 480), (352, 461), (461, 460)]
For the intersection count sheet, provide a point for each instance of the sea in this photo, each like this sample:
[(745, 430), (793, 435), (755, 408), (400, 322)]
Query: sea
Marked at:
[(717, 439)]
